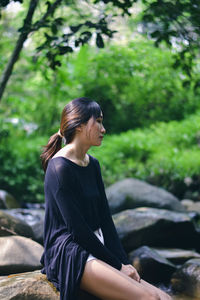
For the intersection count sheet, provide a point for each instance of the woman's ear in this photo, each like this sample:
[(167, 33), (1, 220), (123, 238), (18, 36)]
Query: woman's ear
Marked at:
[(79, 128)]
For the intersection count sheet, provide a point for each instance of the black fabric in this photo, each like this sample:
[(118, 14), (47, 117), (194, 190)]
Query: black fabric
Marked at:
[(75, 206)]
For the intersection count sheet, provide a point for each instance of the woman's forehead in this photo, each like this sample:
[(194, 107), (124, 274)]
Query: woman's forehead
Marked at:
[(98, 116)]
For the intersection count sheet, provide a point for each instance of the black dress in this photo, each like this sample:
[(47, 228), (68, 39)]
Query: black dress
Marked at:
[(76, 206)]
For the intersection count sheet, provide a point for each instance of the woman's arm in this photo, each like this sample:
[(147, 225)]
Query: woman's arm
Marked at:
[(109, 231)]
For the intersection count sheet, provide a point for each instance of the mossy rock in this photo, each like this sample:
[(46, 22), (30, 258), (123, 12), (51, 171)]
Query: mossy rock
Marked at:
[(7, 200), (27, 286)]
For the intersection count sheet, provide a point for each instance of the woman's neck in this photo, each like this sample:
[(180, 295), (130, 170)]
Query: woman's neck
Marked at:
[(76, 152)]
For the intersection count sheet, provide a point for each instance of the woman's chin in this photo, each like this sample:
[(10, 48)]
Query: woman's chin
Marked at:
[(98, 143)]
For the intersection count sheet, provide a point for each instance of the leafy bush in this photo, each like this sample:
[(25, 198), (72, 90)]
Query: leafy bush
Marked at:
[(20, 169), (135, 85), (165, 154)]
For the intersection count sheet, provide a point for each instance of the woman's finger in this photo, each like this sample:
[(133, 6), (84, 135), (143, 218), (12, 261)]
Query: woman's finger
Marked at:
[(136, 277), (134, 274)]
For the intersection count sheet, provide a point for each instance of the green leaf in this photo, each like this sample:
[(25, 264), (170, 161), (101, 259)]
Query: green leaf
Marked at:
[(64, 50), (74, 29), (99, 41), (54, 28)]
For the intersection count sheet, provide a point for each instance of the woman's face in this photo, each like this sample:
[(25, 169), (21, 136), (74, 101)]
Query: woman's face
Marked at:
[(94, 131)]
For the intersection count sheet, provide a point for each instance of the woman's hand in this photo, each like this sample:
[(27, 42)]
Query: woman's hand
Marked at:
[(130, 271)]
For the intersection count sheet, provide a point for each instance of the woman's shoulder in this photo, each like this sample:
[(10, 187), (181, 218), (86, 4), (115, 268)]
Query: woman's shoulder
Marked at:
[(58, 161), (58, 166), (92, 158), (62, 165)]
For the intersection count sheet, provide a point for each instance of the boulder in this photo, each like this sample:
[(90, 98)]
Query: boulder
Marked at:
[(177, 256), (157, 228), (30, 216), (10, 225), (30, 285), (33, 217), (186, 280), (191, 205), (19, 254), (133, 193), (38, 231), (151, 266), (7, 200), (34, 205)]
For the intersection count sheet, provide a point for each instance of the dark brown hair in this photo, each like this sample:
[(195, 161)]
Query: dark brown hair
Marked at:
[(75, 113)]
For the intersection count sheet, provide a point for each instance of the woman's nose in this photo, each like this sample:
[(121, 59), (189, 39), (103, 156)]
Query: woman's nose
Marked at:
[(103, 130)]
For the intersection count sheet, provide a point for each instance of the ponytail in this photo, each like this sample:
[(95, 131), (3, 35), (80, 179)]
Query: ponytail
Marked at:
[(53, 146)]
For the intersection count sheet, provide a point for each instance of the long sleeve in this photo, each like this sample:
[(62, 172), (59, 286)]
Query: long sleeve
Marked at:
[(63, 192), (109, 231)]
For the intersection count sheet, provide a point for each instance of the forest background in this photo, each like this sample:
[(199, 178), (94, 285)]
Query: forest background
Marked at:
[(145, 76)]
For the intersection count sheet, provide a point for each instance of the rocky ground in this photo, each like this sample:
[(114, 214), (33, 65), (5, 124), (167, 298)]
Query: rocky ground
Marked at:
[(160, 233)]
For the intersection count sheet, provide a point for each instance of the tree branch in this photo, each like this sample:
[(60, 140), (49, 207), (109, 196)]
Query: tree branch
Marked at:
[(37, 25), (25, 30), (15, 55)]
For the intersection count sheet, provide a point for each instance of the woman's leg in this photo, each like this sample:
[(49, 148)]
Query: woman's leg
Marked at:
[(107, 283)]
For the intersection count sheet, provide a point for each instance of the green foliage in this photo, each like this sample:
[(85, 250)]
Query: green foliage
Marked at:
[(63, 26), (164, 154), (177, 24), (135, 85), (50, 19), (20, 168)]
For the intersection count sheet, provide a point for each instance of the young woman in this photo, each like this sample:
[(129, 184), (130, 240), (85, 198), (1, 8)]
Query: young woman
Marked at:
[(82, 255)]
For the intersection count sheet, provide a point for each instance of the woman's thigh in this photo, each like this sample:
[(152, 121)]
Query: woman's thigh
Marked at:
[(107, 283)]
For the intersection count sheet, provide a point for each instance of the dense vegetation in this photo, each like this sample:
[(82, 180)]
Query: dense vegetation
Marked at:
[(137, 79), (152, 117), (164, 154), (136, 87), (63, 26)]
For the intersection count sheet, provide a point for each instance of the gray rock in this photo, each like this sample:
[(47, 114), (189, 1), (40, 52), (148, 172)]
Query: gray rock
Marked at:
[(177, 256), (10, 225), (7, 200), (151, 266), (191, 205), (33, 217), (30, 216), (19, 254), (38, 231), (186, 280), (157, 228), (27, 286), (132, 193), (32, 286)]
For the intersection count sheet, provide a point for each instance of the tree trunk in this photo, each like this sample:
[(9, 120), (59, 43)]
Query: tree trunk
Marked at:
[(22, 38), (25, 30)]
